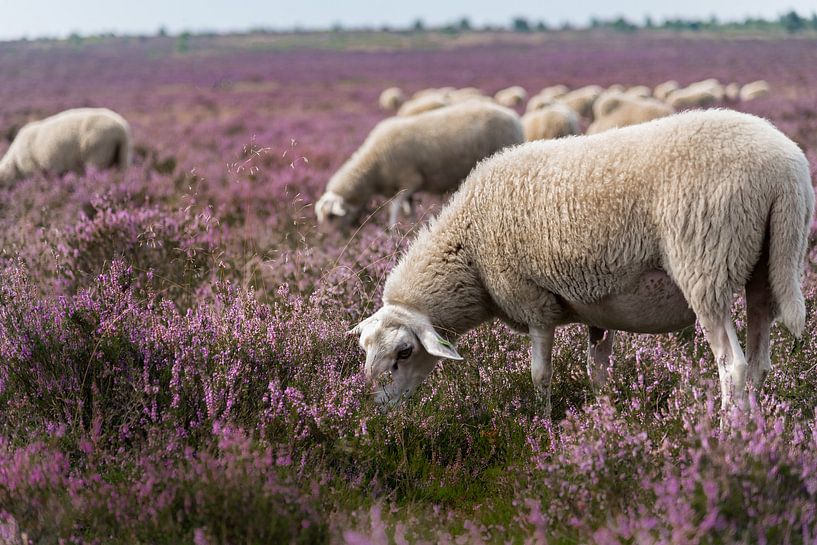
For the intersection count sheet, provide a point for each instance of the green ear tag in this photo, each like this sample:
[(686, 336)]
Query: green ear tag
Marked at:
[(444, 342)]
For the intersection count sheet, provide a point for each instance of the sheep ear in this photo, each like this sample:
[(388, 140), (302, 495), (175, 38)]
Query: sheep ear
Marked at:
[(337, 208), (358, 329), (436, 345)]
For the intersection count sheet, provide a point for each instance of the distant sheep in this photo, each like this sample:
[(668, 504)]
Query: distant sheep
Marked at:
[(668, 220), (554, 91), (756, 89), (581, 100), (554, 121), (624, 110), (639, 91), (430, 152), (511, 96), (70, 141), (391, 99), (731, 92), (423, 104), (538, 102), (432, 91), (662, 90), (691, 97)]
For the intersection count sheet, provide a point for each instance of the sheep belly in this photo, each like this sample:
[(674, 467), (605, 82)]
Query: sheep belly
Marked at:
[(653, 304)]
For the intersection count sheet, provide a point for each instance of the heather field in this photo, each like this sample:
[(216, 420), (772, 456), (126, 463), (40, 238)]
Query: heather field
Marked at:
[(174, 366)]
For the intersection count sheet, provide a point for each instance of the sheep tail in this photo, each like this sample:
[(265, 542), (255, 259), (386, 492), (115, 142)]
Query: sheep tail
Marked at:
[(789, 224)]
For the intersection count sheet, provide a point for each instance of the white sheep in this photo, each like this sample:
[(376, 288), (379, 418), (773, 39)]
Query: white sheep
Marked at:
[(537, 102), (423, 104), (753, 90), (731, 92), (624, 110), (662, 90), (430, 152), (639, 91), (581, 100), (511, 96), (392, 98), (555, 121), (70, 141), (691, 97), (640, 229)]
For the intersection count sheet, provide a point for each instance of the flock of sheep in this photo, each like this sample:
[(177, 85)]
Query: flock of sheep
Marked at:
[(650, 221)]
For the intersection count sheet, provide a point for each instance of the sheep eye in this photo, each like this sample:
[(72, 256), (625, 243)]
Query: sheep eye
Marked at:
[(404, 353)]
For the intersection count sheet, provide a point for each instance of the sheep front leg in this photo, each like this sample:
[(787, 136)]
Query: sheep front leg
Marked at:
[(541, 367), (599, 350)]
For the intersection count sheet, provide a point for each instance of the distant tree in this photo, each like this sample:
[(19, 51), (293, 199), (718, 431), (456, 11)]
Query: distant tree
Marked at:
[(183, 42), (75, 39), (814, 21), (648, 22), (792, 22), (162, 31), (520, 24), (418, 26), (623, 25), (566, 26), (464, 24), (595, 22), (541, 26), (337, 27)]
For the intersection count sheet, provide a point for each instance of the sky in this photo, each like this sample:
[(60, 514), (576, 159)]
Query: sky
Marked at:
[(59, 18)]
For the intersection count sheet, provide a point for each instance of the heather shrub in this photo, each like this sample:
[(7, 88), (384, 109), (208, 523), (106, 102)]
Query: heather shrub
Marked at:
[(169, 253)]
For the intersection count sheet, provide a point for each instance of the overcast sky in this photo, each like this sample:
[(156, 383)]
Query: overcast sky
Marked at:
[(37, 18)]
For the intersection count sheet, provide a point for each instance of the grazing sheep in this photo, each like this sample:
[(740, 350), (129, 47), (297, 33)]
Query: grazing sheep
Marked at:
[(616, 88), (431, 152), (756, 89), (511, 96), (70, 141), (465, 93), (662, 90), (391, 98), (555, 121), (554, 91), (639, 91), (423, 104), (691, 97), (432, 91), (624, 110), (581, 100), (731, 92), (641, 229), (538, 102)]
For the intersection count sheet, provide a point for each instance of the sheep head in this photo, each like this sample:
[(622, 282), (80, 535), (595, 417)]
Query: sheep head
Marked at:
[(332, 208), (403, 342)]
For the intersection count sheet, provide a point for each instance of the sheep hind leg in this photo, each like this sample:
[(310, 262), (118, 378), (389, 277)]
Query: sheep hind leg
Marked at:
[(599, 350), (759, 313), (732, 366), (541, 368)]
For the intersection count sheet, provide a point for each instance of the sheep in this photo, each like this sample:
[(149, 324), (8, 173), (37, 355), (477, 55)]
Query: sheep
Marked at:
[(555, 121), (616, 88), (70, 141), (753, 90), (537, 102), (465, 93), (624, 110), (662, 90), (554, 91), (391, 98), (431, 152), (511, 96), (423, 104), (639, 91), (731, 92), (641, 229), (432, 91), (581, 100), (691, 97)]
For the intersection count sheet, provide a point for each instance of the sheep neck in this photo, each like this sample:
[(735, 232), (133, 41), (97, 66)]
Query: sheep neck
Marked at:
[(438, 278), (358, 179)]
